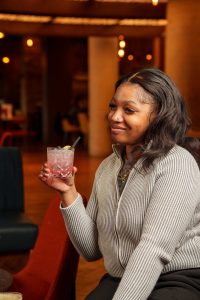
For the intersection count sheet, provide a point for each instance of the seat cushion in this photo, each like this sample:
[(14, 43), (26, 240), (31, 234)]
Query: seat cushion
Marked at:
[(11, 180), (17, 233)]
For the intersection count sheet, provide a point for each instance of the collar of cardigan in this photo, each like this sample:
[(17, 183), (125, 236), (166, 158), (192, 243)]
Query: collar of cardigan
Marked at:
[(118, 149)]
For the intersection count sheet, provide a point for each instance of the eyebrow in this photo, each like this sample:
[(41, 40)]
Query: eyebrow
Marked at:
[(125, 101), (130, 101)]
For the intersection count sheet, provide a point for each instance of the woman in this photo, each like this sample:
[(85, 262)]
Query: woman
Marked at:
[(144, 211)]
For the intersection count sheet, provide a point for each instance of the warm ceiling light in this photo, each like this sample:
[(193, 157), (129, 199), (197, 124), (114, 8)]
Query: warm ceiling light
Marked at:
[(155, 2), (126, 1), (121, 52), (29, 42), (85, 21), (82, 21), (121, 37), (109, 21), (130, 57), (142, 22), (25, 18), (122, 44), (149, 57), (6, 60), (2, 35)]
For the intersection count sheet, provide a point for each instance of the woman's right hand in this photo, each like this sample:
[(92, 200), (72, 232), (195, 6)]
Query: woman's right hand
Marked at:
[(63, 185)]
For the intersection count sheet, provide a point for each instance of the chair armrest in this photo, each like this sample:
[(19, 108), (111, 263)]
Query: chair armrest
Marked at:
[(11, 296)]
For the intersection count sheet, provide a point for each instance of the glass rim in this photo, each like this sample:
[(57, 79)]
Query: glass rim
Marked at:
[(51, 148)]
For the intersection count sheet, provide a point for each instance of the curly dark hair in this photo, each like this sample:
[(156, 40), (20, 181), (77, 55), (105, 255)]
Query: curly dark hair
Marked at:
[(171, 122)]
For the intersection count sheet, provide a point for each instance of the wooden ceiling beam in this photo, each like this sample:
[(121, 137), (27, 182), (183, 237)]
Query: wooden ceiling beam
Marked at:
[(19, 28), (84, 9)]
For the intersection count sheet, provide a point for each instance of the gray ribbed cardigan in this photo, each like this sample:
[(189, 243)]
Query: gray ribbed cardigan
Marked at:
[(152, 228)]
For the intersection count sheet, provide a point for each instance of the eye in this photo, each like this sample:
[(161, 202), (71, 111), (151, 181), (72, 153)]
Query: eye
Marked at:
[(129, 110), (112, 106)]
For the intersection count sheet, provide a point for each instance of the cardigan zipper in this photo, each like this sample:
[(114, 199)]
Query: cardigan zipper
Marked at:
[(116, 232), (118, 202)]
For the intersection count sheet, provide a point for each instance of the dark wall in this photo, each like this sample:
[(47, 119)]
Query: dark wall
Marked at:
[(10, 73), (65, 59)]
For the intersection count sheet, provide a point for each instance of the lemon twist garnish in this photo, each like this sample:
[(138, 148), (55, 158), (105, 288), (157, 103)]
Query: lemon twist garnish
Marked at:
[(67, 147)]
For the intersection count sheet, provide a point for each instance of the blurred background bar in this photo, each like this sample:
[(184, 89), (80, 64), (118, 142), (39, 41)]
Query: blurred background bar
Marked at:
[(56, 55)]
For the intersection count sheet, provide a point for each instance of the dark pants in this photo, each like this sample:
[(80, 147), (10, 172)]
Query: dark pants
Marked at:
[(178, 285)]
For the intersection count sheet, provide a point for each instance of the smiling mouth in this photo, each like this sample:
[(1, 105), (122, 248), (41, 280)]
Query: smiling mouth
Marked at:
[(116, 129)]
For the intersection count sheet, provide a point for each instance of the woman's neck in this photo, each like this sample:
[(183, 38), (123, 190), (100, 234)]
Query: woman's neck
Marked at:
[(133, 152)]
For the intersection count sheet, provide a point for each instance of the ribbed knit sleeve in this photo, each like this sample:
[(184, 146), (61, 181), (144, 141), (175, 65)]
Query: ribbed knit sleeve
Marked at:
[(81, 225), (170, 210), (82, 230)]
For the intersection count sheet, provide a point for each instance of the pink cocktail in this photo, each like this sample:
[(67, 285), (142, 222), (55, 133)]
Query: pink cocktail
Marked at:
[(60, 161)]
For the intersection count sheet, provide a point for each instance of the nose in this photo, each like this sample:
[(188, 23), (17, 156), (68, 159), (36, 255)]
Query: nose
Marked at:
[(116, 116)]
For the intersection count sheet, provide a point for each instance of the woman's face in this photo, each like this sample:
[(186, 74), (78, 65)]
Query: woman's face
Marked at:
[(131, 112)]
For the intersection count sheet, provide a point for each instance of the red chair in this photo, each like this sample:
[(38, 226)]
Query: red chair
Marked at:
[(7, 137), (51, 270)]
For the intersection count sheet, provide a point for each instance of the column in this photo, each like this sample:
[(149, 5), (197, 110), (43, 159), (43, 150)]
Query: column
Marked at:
[(157, 51), (182, 52), (102, 75)]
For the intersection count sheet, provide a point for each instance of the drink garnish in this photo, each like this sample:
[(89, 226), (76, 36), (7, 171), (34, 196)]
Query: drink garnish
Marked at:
[(74, 144)]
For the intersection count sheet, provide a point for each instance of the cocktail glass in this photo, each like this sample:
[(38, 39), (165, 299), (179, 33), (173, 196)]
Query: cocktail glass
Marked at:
[(60, 161)]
